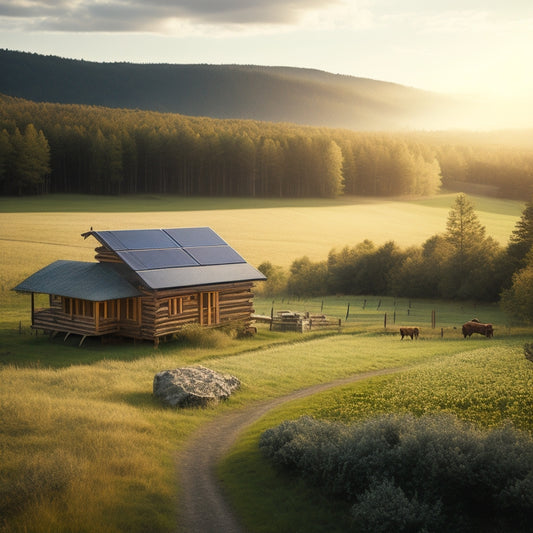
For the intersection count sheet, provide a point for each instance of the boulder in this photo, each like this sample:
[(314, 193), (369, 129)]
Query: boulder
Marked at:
[(193, 386)]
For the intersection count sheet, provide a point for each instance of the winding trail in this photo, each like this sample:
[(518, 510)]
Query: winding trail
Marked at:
[(204, 507)]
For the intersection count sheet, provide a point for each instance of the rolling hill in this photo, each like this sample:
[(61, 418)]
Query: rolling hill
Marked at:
[(277, 94)]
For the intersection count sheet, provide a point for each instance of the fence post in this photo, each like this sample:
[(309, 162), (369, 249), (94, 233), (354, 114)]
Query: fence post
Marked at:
[(433, 319), (347, 311), (385, 321)]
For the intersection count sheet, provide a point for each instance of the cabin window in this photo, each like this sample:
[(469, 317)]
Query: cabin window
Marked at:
[(175, 306), (108, 309), (209, 308), (130, 309), (77, 307)]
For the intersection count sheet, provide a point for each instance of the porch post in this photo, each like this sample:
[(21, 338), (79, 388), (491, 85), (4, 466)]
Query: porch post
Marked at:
[(96, 316)]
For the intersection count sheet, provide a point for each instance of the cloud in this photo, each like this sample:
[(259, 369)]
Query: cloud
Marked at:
[(139, 15)]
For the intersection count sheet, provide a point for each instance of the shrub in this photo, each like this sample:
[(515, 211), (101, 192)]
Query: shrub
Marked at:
[(384, 507), (435, 468), (202, 337)]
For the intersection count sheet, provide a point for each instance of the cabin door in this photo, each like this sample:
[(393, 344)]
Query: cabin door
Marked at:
[(209, 308)]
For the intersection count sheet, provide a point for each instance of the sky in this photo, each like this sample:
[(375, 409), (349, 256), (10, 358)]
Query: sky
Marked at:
[(480, 48)]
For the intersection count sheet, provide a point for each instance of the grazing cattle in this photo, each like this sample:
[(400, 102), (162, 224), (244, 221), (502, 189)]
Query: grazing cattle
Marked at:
[(477, 327), (409, 332)]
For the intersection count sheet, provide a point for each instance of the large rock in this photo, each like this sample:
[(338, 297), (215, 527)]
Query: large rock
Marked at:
[(193, 386)]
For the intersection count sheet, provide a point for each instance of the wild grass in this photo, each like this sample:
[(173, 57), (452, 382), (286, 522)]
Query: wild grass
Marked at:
[(37, 231), (479, 381), (97, 450), (85, 447)]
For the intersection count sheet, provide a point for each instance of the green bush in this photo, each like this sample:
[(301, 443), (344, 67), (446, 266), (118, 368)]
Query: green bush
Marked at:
[(384, 507), (202, 337), (436, 468)]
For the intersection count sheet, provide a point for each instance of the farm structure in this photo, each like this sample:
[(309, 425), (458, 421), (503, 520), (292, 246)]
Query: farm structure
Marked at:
[(147, 285), (301, 322)]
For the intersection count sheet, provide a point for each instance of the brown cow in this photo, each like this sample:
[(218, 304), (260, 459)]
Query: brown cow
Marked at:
[(477, 327), (409, 332)]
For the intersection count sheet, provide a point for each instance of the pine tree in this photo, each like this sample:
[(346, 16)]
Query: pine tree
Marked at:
[(521, 239), (463, 228), (5, 155), (470, 270), (30, 161)]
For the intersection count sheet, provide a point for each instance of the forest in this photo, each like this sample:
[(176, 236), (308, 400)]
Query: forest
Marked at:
[(67, 148)]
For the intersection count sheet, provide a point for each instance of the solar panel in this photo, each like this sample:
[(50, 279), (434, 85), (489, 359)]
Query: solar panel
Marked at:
[(154, 259), (195, 236), (143, 239), (200, 275), (178, 257), (215, 255)]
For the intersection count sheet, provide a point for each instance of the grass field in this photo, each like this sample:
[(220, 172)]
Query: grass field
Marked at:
[(486, 384), (85, 447), (37, 231)]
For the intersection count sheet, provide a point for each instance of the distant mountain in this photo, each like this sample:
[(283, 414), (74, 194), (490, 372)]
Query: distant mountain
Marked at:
[(277, 94)]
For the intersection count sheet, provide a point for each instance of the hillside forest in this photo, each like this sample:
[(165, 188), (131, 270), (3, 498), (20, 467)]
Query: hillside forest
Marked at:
[(67, 148)]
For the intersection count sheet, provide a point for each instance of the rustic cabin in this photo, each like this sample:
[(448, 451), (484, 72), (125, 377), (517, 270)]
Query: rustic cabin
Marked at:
[(147, 284)]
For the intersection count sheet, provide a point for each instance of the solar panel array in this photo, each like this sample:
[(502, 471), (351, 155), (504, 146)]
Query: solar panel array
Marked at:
[(178, 257)]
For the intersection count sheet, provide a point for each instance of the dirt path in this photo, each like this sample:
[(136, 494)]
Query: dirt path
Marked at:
[(204, 508)]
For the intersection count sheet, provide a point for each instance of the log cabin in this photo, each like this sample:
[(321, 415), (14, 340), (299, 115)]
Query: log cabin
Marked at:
[(147, 285)]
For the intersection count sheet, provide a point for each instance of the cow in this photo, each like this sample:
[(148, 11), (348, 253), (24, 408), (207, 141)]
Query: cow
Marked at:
[(477, 327), (409, 332)]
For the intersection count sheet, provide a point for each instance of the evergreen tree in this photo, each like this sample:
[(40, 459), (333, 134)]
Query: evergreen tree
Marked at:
[(332, 180), (30, 160), (471, 265), (5, 156), (521, 241), (463, 228)]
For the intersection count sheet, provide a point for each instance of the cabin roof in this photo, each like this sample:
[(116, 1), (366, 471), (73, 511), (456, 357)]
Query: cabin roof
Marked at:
[(178, 257), (76, 279)]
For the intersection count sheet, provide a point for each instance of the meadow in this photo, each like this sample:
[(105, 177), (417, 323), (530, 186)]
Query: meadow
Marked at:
[(84, 445), (37, 231)]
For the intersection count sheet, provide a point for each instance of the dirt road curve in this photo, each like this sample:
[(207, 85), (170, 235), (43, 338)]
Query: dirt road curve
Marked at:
[(204, 508)]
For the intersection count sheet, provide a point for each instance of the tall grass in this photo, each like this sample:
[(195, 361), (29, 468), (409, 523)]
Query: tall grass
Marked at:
[(85, 447), (480, 382)]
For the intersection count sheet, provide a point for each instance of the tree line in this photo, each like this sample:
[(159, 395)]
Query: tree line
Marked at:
[(54, 148), (463, 263)]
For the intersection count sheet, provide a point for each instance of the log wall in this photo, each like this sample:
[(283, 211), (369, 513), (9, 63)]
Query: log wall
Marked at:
[(235, 308)]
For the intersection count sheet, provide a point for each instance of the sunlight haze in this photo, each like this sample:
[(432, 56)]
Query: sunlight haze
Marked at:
[(479, 49)]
